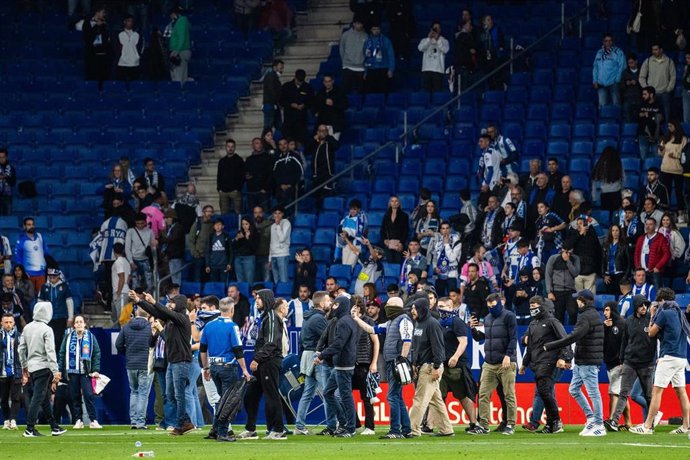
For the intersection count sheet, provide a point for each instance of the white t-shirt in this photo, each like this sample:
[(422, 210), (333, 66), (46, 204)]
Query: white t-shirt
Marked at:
[(120, 266)]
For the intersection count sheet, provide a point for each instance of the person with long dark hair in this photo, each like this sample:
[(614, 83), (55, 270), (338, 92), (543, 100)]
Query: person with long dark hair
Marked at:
[(608, 172), (394, 231), (244, 246), (671, 147), (676, 243), (615, 260), (428, 225)]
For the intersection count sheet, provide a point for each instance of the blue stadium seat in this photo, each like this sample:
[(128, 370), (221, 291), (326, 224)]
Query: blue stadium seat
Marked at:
[(328, 220), (300, 237), (283, 289), (537, 112), (608, 130), (582, 148), (559, 131), (602, 299), (583, 130), (216, 288), (324, 236), (561, 112), (631, 164), (304, 220), (340, 271), (557, 148), (433, 183), (391, 270), (379, 201), (334, 203), (514, 112), (189, 288), (408, 184)]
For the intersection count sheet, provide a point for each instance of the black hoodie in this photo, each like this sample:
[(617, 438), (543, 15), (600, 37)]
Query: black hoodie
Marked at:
[(637, 349), (343, 349), (613, 337), (269, 343), (542, 329), (427, 338), (178, 328)]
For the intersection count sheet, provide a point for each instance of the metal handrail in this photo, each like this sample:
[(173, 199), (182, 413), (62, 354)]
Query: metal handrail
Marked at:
[(364, 160), (156, 293)]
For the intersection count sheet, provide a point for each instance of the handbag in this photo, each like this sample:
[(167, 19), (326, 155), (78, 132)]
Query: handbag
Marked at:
[(148, 252), (634, 26)]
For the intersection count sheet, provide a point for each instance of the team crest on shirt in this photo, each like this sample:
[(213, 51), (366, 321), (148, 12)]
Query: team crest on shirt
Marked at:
[(646, 329), (615, 330)]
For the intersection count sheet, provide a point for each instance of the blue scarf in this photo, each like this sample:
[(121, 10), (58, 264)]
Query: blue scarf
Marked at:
[(84, 352), (159, 350), (9, 344), (204, 317), (443, 264)]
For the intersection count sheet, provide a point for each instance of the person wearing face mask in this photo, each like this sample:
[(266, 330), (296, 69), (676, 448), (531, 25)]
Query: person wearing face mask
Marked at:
[(637, 352), (500, 363), (614, 328), (79, 357), (543, 329), (178, 352), (397, 344), (588, 337)]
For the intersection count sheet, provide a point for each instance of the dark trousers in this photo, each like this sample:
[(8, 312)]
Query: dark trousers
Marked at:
[(10, 397), (266, 385), (432, 81), (352, 81), (80, 386), (341, 380), (127, 73), (545, 389), (224, 377), (5, 205), (62, 404), (377, 81), (40, 401), (628, 377), (443, 286), (359, 383), (677, 182), (613, 288), (58, 326), (565, 303)]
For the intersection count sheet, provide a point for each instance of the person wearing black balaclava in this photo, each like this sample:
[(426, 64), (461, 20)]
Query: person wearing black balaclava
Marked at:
[(178, 351), (545, 328), (614, 328), (500, 363), (429, 357), (271, 346), (343, 353)]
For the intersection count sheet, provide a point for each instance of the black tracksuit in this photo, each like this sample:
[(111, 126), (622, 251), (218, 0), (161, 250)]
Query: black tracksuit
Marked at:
[(545, 328)]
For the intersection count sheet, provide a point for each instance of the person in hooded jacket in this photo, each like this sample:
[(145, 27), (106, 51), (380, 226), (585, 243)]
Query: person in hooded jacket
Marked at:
[(637, 352), (397, 344), (39, 361), (545, 328), (588, 336), (271, 346), (500, 363), (178, 352), (614, 327), (429, 356), (313, 327), (343, 352)]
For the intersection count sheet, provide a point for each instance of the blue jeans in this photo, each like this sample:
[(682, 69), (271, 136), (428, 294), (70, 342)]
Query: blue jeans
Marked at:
[(80, 385), (608, 95), (224, 377), (262, 273), (279, 267), (400, 419), (244, 268), (218, 275), (168, 405), (665, 102), (311, 383), (144, 275), (648, 149), (341, 380), (587, 376), (193, 405), (177, 379), (538, 404), (139, 389), (637, 395), (175, 265)]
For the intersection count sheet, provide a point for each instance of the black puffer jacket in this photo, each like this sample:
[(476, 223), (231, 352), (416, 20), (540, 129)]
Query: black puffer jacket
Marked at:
[(637, 349), (543, 329), (343, 350), (588, 337), (613, 336), (500, 337)]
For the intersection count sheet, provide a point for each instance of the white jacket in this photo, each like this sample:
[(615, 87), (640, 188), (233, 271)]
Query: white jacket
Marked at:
[(280, 239), (434, 57), (129, 40)]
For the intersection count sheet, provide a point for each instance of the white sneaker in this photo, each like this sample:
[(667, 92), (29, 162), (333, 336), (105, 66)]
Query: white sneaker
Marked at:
[(588, 427), (6, 425), (94, 425), (367, 432), (13, 424), (596, 431), (657, 418), (679, 430), (79, 425), (303, 432), (641, 429)]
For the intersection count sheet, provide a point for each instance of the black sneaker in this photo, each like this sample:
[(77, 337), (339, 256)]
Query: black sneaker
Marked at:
[(611, 425), (552, 428), (344, 434), (32, 433), (133, 427), (57, 431), (500, 428), (392, 436), (471, 427), (426, 430), (326, 432), (408, 435), (508, 430), (223, 438), (211, 435), (442, 435), (478, 430)]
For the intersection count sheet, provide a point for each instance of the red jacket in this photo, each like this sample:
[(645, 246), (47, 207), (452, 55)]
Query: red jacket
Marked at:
[(659, 253)]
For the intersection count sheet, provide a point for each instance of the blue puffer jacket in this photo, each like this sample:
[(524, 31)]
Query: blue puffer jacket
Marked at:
[(500, 337), (133, 342), (608, 69)]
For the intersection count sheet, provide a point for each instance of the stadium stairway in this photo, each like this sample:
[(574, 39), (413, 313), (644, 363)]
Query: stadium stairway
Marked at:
[(316, 32)]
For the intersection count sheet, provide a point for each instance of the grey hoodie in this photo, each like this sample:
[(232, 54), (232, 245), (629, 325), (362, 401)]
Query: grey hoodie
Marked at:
[(37, 344), (352, 49)]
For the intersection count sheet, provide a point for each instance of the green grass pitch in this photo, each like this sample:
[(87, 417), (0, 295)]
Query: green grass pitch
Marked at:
[(118, 442)]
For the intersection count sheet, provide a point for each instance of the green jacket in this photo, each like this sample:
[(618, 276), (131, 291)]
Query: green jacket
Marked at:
[(89, 366), (197, 239), (180, 39)]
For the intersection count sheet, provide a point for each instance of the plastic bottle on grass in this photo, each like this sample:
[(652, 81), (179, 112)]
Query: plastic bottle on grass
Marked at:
[(148, 453)]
